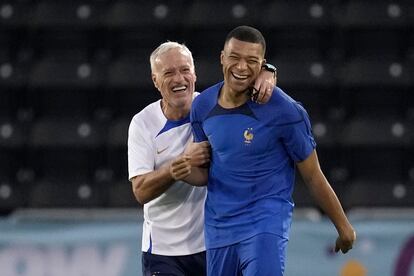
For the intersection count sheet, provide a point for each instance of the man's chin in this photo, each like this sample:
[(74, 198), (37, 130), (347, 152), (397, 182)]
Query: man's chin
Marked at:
[(240, 87)]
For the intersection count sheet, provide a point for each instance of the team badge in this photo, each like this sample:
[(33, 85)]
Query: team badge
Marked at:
[(248, 136)]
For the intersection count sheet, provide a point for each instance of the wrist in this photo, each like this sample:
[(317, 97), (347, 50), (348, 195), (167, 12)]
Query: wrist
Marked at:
[(270, 68)]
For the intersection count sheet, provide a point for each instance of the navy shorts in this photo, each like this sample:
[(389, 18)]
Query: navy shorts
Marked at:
[(189, 265), (263, 254)]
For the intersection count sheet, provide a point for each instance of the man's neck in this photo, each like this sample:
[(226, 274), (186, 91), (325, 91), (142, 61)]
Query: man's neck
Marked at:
[(174, 114), (231, 99)]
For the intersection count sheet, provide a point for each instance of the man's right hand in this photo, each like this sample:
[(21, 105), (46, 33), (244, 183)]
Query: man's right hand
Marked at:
[(345, 240), (180, 167), (199, 153)]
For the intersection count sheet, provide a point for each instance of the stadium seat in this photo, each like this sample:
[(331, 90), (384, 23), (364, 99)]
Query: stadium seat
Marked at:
[(118, 133), (374, 131), (120, 195), (55, 74), (296, 14), (127, 73), (66, 133), (378, 194), (208, 73), (326, 133), (197, 41), (301, 194), (12, 134), (12, 196), (375, 163), (381, 45), (126, 103), (373, 72), (301, 74), (371, 14), (13, 73), (54, 193), (66, 163), (61, 14), (14, 14), (127, 14), (226, 14), (11, 160)]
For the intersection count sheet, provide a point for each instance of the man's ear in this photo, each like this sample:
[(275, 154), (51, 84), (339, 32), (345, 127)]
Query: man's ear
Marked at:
[(154, 80), (263, 62), (221, 57)]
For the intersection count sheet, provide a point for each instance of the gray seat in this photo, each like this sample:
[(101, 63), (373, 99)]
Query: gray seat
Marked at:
[(296, 14), (127, 14), (378, 194), (52, 193)]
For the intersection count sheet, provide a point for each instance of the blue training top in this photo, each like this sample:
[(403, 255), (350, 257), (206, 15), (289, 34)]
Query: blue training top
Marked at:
[(252, 169)]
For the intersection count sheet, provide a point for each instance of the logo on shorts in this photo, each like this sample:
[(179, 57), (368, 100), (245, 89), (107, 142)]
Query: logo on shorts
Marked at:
[(248, 136)]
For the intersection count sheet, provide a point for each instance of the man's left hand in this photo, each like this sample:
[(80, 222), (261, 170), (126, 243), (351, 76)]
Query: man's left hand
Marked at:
[(263, 86)]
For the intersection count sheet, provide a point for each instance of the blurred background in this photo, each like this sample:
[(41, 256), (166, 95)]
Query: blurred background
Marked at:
[(73, 73)]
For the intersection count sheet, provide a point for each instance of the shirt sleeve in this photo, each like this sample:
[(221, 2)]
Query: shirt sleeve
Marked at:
[(141, 158), (298, 137), (197, 124)]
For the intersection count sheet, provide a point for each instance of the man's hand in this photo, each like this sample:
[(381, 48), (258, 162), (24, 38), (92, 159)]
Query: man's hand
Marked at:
[(199, 153), (263, 86), (345, 241), (180, 167)]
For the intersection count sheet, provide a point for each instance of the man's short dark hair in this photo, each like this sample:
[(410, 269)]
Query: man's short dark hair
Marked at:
[(247, 34)]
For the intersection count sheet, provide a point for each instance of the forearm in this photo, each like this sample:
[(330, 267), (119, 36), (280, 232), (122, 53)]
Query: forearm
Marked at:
[(326, 198), (198, 176), (151, 185)]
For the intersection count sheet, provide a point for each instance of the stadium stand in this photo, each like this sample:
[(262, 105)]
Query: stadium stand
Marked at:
[(73, 73)]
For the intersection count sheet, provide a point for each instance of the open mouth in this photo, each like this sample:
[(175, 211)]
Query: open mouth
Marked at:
[(179, 89), (239, 77)]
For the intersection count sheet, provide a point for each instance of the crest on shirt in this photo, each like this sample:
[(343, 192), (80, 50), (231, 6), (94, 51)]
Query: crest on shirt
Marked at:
[(248, 136)]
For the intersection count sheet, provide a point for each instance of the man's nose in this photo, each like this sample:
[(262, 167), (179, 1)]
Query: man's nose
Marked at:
[(178, 77), (241, 64)]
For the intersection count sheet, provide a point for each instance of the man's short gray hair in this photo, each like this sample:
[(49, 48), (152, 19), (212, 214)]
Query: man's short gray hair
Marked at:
[(165, 47)]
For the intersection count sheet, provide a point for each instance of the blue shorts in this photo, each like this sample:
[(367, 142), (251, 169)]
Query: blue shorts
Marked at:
[(263, 254), (159, 265)]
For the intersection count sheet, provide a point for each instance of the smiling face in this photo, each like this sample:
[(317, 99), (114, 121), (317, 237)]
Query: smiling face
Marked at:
[(242, 62), (173, 75)]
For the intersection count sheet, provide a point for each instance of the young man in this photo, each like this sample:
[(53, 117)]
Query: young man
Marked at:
[(173, 238), (255, 149)]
